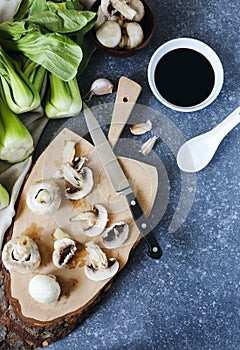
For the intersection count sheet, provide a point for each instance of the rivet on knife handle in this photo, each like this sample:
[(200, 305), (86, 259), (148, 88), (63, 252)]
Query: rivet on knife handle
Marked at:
[(141, 221)]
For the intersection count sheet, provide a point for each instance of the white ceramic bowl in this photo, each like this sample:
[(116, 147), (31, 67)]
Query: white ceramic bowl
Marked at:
[(202, 48)]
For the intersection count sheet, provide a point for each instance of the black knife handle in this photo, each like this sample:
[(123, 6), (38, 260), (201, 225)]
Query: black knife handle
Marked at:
[(141, 221)]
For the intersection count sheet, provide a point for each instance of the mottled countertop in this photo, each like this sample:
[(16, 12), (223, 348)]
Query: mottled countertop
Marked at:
[(190, 298)]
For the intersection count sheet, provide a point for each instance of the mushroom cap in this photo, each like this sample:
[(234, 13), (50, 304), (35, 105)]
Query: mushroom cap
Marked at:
[(44, 197), (115, 235), (102, 274), (44, 289), (29, 261)]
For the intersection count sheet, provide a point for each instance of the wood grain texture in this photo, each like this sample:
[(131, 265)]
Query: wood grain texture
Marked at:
[(127, 95), (30, 324)]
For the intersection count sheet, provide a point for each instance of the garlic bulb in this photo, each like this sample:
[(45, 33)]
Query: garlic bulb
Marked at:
[(100, 86)]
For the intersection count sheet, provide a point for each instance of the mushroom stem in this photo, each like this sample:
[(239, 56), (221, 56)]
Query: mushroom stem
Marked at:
[(22, 249), (98, 259), (21, 254)]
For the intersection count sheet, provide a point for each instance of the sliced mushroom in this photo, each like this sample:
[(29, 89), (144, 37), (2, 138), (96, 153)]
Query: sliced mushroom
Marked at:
[(109, 34), (115, 235), (64, 249), (84, 185), (74, 176), (96, 220), (138, 6), (69, 152), (101, 18), (107, 8), (75, 172), (44, 197), (44, 289), (133, 35), (100, 267), (21, 254), (122, 7)]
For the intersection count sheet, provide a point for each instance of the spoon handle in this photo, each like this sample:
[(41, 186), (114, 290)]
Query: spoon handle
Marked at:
[(227, 124)]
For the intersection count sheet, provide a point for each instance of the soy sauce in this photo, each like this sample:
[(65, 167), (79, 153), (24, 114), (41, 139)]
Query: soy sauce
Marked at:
[(184, 77)]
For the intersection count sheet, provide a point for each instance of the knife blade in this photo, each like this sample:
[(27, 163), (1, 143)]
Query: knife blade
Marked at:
[(120, 182)]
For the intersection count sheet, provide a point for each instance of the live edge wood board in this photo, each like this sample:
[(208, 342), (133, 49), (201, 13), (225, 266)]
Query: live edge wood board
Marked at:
[(34, 324)]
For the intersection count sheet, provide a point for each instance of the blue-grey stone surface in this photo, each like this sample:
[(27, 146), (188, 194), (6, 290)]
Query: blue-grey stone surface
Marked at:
[(190, 298)]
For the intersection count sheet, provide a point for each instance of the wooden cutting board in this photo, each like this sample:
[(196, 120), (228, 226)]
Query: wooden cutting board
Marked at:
[(34, 324)]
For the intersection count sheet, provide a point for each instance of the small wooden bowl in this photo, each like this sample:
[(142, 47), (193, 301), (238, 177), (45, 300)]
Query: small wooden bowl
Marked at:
[(147, 24)]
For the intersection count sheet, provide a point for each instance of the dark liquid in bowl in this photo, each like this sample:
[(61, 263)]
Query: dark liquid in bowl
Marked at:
[(184, 77)]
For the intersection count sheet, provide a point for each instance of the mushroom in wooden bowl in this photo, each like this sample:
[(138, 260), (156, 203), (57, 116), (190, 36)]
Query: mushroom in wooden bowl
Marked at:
[(123, 27)]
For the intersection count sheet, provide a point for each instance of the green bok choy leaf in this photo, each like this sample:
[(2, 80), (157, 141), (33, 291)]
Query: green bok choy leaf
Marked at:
[(16, 142), (56, 52)]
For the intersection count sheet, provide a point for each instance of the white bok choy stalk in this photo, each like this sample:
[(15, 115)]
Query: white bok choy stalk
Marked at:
[(35, 73), (64, 98), (16, 143), (20, 93), (4, 197)]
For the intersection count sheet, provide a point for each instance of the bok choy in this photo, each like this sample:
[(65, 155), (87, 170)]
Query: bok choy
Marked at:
[(4, 197), (64, 99), (19, 92), (41, 31), (35, 73), (16, 143)]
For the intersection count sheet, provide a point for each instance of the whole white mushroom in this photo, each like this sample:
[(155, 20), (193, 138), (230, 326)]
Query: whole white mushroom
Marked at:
[(44, 289)]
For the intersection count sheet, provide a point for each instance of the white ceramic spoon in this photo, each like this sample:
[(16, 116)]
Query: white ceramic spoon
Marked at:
[(197, 152)]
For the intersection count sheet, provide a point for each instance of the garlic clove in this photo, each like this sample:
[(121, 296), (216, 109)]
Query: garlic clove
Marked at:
[(141, 128), (148, 146), (100, 86)]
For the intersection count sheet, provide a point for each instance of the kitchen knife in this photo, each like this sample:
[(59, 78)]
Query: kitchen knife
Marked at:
[(120, 182)]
